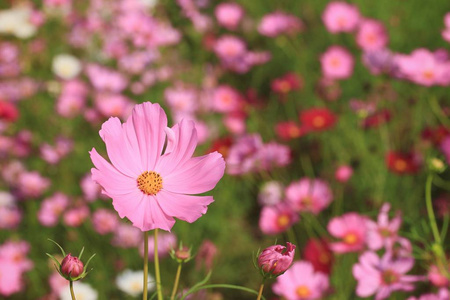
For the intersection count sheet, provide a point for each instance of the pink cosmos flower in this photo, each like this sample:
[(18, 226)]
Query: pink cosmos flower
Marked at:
[(52, 208), (277, 218), (91, 190), (312, 195), (229, 48), (340, 16), (445, 148), (10, 217), (235, 122), (229, 15), (352, 229), (371, 35), (150, 187), (116, 105), (181, 99), (276, 259), (301, 282), (271, 193), (226, 99), (278, 23), (32, 184), (337, 63), (422, 67), (443, 294), (382, 276), (10, 277), (384, 232), (127, 236), (104, 221), (166, 242), (17, 252), (74, 217), (343, 173), (446, 31), (437, 278)]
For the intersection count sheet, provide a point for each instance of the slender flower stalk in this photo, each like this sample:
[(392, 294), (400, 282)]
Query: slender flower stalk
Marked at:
[(157, 275), (145, 292), (71, 290), (434, 229), (260, 291), (177, 280)]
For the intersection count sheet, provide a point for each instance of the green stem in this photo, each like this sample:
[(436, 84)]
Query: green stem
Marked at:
[(145, 292), (158, 276), (434, 228), (177, 279), (71, 290), (260, 291)]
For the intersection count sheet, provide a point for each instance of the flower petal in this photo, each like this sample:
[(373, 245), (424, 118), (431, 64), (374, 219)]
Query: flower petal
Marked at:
[(181, 143), (184, 207), (112, 181), (149, 121), (123, 156), (197, 175)]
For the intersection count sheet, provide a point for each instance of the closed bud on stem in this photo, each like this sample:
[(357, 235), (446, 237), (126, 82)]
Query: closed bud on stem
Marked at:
[(182, 254), (71, 266), (275, 260)]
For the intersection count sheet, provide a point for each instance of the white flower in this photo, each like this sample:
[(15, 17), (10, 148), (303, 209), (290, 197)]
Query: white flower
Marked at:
[(6, 199), (132, 282), (66, 66), (16, 21), (83, 291), (149, 3)]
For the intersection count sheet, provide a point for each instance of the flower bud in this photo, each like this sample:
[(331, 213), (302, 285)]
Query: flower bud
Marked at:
[(71, 266), (275, 260)]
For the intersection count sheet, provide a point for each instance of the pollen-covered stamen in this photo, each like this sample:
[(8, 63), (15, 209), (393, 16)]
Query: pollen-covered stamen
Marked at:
[(150, 183)]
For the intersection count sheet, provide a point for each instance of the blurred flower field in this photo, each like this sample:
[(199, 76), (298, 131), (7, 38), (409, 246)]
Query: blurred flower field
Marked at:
[(332, 119)]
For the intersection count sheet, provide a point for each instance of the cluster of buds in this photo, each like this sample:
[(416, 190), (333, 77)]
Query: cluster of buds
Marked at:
[(71, 267), (275, 260)]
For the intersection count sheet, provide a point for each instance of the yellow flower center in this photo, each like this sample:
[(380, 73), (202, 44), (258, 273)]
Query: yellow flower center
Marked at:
[(150, 183), (283, 221), (303, 291), (318, 122), (350, 238)]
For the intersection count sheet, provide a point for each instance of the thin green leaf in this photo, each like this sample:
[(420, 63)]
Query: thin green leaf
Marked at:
[(62, 250), (54, 259), (81, 253), (89, 260), (197, 285)]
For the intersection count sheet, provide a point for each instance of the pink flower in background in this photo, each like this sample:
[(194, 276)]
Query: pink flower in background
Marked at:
[(343, 173), (301, 282), (32, 184), (127, 236), (272, 155), (384, 232), (382, 276), (278, 23), (52, 208), (312, 195), (371, 35), (10, 217), (91, 189), (115, 105), (104, 221), (74, 217), (229, 48), (437, 278), (150, 187), (337, 63), (226, 99), (106, 80), (443, 294), (53, 154), (351, 228), (446, 31), (241, 155), (271, 193), (166, 242), (340, 16), (181, 99), (422, 67), (229, 15), (445, 148), (10, 277), (235, 122), (16, 251), (277, 218)]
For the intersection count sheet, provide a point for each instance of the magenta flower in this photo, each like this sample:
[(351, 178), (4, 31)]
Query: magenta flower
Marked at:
[(313, 195), (337, 63), (340, 16), (148, 186), (301, 282), (384, 232), (276, 259), (277, 218), (382, 276)]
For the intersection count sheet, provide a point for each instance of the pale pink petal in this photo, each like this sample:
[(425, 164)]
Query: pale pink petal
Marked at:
[(149, 122), (151, 216), (181, 143), (337, 227), (197, 175), (122, 155), (184, 207), (112, 181)]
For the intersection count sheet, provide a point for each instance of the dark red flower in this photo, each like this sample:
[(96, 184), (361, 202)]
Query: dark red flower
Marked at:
[(318, 119), (435, 135), (376, 119), (319, 255), (221, 145), (403, 163)]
